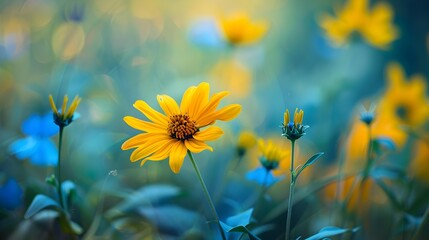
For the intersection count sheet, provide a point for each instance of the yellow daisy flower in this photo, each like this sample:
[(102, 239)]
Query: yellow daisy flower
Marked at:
[(64, 116), (272, 155), (239, 29), (374, 25), (179, 130), (404, 102)]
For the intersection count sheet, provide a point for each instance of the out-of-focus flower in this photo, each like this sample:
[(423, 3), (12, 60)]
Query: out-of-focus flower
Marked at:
[(367, 116), (10, 195), (374, 25), (272, 156), (234, 77), (37, 146), (205, 32), (419, 166), (180, 129), (404, 102), (64, 117), (239, 29), (293, 130), (246, 140)]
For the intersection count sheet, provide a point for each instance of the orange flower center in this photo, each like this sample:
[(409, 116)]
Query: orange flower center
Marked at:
[(181, 127)]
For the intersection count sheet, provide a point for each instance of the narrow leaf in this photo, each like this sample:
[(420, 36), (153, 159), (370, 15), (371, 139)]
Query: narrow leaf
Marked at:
[(309, 162), (389, 194), (39, 203), (330, 231)]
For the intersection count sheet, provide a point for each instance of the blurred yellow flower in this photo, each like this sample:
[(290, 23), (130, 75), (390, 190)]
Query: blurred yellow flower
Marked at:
[(234, 77), (180, 129), (404, 102), (272, 156), (239, 29), (64, 117), (246, 140), (374, 25), (68, 40), (419, 166)]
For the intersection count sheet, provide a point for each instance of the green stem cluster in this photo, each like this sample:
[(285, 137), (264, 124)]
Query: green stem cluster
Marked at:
[(206, 192), (291, 188)]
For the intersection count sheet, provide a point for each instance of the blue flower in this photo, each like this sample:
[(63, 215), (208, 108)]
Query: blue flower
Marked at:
[(263, 176), (205, 33), (37, 146), (10, 195)]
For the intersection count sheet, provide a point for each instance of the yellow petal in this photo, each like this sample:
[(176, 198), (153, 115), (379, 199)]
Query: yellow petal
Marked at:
[(209, 134), (224, 114), (163, 152), (141, 139), (177, 155), (212, 105), (199, 100), (147, 149), (150, 113), (186, 99), (144, 126), (54, 108), (168, 104), (395, 75), (196, 146)]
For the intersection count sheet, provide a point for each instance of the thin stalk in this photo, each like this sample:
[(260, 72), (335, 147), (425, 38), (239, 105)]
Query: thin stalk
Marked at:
[(424, 223), (291, 188), (60, 192), (206, 192), (368, 156)]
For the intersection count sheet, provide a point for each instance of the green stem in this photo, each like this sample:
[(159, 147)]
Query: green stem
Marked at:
[(60, 192), (368, 156), (206, 192), (291, 188)]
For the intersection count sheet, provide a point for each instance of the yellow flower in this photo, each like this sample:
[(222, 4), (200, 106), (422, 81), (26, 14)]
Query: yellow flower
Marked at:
[(404, 102), (64, 117), (238, 29), (272, 155), (246, 140), (374, 25), (180, 129), (293, 130)]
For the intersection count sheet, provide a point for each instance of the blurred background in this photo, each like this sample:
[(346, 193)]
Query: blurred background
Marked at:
[(327, 57)]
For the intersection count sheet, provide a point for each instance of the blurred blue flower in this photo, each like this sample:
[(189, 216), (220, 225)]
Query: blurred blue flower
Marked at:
[(10, 195), (205, 33), (37, 146), (262, 176)]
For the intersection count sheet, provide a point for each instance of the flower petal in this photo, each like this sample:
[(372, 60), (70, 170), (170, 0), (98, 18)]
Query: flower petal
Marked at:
[(186, 99), (177, 155), (143, 125), (150, 113), (209, 134), (163, 152), (145, 150), (224, 114), (199, 100), (141, 139), (168, 104), (212, 104), (196, 146)]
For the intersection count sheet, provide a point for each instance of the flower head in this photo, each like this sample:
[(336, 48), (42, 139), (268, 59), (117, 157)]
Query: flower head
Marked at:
[(64, 117), (374, 25), (272, 155), (367, 116), (37, 145), (179, 129), (238, 29), (293, 130), (246, 140)]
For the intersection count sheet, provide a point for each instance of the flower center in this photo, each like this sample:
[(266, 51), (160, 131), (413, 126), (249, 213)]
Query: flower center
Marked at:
[(402, 112), (181, 127)]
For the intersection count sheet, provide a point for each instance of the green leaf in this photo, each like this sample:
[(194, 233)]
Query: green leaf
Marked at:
[(39, 203), (309, 162), (238, 223), (330, 231)]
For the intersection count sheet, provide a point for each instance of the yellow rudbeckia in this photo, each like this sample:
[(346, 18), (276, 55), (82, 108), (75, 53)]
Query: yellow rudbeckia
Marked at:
[(404, 101), (239, 29), (374, 25), (180, 129)]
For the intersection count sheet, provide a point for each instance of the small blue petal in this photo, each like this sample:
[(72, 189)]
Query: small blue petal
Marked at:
[(23, 148), (48, 127), (46, 153), (262, 177), (205, 33), (32, 125), (42, 126), (76, 115), (10, 195)]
